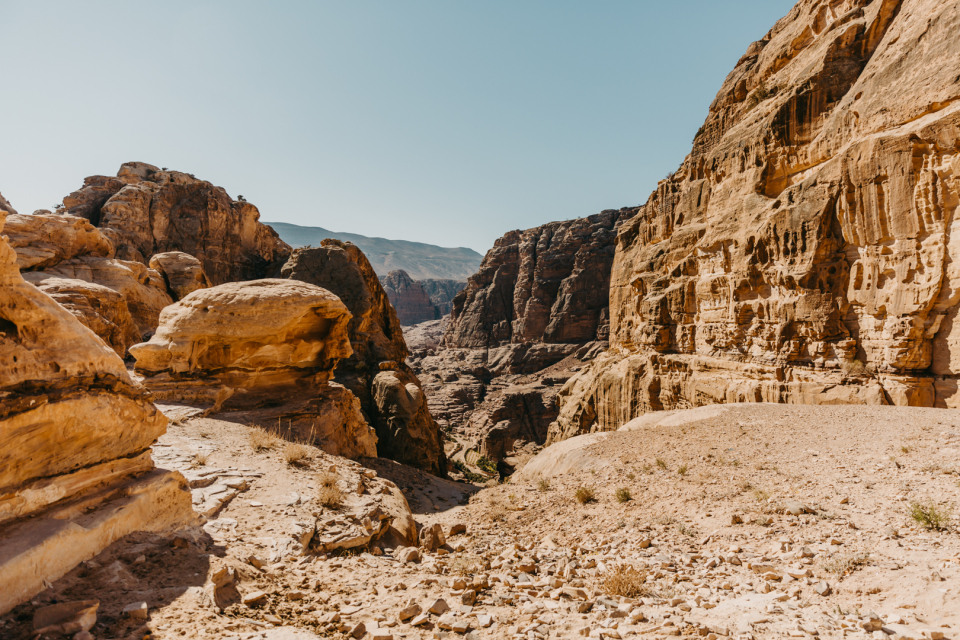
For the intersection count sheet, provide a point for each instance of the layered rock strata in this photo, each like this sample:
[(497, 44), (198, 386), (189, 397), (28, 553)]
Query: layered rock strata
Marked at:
[(408, 298), (75, 432), (418, 301), (804, 252), (145, 210), (389, 392), (538, 300), (261, 344)]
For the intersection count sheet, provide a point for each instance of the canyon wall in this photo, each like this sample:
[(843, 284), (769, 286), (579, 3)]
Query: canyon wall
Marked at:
[(806, 250), (532, 314), (418, 301)]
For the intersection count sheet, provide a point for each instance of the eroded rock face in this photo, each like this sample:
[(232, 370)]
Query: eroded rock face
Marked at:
[(72, 424), (44, 240), (442, 293), (182, 273), (803, 252), (256, 344), (539, 299), (408, 297), (389, 392), (146, 211)]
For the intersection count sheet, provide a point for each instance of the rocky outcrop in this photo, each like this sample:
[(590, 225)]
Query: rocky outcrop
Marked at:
[(146, 210), (389, 392), (442, 293), (182, 273), (75, 432), (260, 344), (408, 297), (803, 251), (5, 205), (538, 300)]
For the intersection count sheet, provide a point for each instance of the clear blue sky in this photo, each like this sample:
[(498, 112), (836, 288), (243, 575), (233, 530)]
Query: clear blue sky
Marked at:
[(447, 121)]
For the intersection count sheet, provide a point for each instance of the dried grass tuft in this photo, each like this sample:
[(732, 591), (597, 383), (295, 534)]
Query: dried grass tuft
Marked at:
[(261, 439), (625, 580), (297, 454), (328, 492)]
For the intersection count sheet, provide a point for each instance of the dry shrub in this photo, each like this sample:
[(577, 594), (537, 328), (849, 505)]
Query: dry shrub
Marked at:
[(201, 458), (662, 463), (623, 495), (683, 469), (297, 453), (466, 564), (261, 439), (930, 516), (625, 580), (543, 485), (584, 495), (328, 493)]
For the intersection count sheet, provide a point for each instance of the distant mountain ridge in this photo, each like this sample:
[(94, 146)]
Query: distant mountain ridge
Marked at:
[(421, 261)]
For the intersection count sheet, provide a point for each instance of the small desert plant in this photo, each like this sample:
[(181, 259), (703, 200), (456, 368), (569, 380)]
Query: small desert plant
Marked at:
[(687, 530), (465, 470), (584, 495), (854, 368), (930, 516), (847, 564), (904, 449), (661, 464), (630, 476), (543, 485), (297, 454), (261, 439), (623, 495), (201, 458), (466, 564), (328, 493), (683, 469), (760, 495), (646, 469), (625, 580)]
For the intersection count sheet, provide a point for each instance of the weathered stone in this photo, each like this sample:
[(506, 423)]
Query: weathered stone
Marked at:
[(389, 392), (182, 273), (408, 298), (781, 262), (66, 617)]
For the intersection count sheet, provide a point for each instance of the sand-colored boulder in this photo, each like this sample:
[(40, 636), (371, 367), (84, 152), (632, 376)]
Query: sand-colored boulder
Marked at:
[(261, 344), (44, 240), (74, 428), (143, 289), (182, 272), (101, 309), (805, 250)]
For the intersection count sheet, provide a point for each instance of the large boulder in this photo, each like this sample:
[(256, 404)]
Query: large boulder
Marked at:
[(182, 273), (261, 344), (396, 405), (44, 240), (146, 210), (72, 424), (805, 250)]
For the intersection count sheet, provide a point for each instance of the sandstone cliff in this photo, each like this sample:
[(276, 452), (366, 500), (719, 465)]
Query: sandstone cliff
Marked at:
[(75, 433), (529, 318), (389, 392), (408, 297), (442, 293), (145, 210), (805, 250)]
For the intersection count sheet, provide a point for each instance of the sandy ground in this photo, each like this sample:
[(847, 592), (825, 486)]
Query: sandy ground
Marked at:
[(535, 563)]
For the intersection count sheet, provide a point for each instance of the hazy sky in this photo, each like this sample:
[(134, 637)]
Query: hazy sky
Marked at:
[(448, 122)]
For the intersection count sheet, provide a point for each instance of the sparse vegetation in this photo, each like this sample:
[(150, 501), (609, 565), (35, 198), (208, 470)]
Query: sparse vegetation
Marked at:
[(683, 469), (584, 495), (930, 516), (905, 449), (461, 466), (467, 564), (661, 464), (623, 495), (328, 492), (625, 580), (297, 454), (261, 439), (761, 495), (201, 458), (487, 465), (543, 485), (854, 368), (630, 476)]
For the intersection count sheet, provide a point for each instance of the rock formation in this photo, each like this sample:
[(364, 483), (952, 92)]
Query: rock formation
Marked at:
[(389, 392), (261, 344), (804, 251), (75, 432), (442, 293), (538, 300), (146, 210), (408, 297), (182, 273), (5, 205)]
